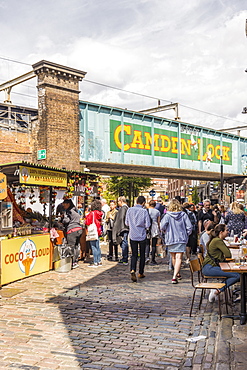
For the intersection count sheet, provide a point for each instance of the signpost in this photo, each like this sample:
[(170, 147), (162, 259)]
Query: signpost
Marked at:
[(152, 193), (41, 154)]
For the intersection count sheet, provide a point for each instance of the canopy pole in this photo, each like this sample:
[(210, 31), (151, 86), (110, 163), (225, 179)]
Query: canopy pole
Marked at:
[(50, 208)]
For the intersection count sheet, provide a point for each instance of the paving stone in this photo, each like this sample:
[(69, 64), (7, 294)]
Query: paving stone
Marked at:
[(99, 320)]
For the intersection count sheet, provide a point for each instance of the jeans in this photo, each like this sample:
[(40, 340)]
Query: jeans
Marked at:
[(125, 247), (73, 240), (154, 242), (111, 245), (192, 242), (96, 250), (134, 247), (232, 277)]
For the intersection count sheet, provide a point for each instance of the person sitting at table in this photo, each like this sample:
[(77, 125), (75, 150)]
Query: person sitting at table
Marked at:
[(208, 225), (235, 219), (217, 251)]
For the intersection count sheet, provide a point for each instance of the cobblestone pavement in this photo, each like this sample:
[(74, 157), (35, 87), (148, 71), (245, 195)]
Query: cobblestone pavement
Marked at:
[(98, 319)]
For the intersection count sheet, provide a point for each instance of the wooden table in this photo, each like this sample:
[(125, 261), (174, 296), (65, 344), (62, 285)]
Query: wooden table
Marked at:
[(242, 270), (234, 246)]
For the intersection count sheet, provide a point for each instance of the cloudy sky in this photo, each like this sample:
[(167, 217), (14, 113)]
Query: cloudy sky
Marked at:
[(191, 52)]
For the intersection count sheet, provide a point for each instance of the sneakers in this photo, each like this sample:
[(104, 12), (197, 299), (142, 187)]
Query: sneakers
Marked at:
[(212, 295), (141, 276), (174, 281), (133, 276), (95, 265), (179, 277), (147, 260), (75, 265), (153, 263), (123, 263)]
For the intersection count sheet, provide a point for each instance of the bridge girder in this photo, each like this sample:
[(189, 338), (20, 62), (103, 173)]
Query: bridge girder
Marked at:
[(115, 169)]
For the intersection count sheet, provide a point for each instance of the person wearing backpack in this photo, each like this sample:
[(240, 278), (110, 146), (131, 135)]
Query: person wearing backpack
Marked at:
[(192, 241), (71, 221)]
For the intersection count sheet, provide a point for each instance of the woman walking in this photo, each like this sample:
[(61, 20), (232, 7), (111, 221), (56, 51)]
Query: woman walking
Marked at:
[(177, 228), (154, 231), (217, 251), (235, 219), (95, 217)]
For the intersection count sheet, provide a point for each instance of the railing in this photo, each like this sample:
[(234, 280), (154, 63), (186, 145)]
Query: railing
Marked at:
[(13, 120)]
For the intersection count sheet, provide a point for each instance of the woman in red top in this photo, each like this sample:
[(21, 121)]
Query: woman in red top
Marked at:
[(95, 216)]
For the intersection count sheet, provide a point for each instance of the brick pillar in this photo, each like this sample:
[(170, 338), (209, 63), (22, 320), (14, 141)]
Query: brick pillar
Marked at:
[(57, 129)]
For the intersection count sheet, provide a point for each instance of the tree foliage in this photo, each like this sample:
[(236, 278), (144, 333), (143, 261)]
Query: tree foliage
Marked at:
[(130, 187), (195, 196)]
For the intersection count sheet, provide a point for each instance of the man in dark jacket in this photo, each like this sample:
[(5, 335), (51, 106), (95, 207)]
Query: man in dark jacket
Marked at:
[(192, 241), (120, 230), (71, 221)]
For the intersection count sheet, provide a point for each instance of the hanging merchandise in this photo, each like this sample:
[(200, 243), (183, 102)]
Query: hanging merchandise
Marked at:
[(53, 197), (32, 196), (44, 194)]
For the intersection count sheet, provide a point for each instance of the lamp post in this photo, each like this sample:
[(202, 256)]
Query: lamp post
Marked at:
[(221, 178)]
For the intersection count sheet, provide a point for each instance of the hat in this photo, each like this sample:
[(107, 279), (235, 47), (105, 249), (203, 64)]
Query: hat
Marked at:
[(200, 204)]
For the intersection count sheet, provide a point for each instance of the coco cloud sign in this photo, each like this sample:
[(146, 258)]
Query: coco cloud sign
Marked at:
[(138, 139)]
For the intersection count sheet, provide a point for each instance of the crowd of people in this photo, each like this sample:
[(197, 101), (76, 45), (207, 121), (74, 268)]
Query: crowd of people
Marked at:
[(184, 229)]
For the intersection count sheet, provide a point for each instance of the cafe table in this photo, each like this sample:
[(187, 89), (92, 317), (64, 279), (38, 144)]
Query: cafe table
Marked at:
[(234, 245), (242, 270)]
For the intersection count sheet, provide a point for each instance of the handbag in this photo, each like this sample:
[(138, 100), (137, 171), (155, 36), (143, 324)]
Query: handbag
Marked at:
[(148, 231), (92, 232)]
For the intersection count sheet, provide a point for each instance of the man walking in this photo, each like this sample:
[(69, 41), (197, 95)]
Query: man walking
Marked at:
[(138, 220), (120, 230)]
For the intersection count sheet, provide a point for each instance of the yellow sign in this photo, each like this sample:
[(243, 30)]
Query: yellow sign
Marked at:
[(189, 198), (24, 256), (3, 186), (39, 176)]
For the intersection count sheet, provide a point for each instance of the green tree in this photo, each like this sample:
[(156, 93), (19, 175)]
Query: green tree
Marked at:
[(130, 187), (195, 196)]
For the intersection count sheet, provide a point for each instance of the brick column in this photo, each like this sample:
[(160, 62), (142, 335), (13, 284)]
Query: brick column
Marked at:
[(57, 129)]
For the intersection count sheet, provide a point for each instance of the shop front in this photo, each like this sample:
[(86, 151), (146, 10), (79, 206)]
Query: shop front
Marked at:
[(28, 207)]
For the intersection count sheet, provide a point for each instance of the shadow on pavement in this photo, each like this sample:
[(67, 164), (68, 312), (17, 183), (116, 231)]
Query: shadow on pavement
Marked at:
[(114, 323)]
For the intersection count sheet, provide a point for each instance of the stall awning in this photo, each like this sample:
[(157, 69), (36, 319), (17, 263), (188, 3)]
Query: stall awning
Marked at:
[(27, 173)]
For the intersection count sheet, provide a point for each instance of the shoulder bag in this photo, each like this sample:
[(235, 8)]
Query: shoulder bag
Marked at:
[(92, 232)]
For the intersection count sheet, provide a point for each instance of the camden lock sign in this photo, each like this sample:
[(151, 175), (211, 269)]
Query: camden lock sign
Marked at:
[(138, 139)]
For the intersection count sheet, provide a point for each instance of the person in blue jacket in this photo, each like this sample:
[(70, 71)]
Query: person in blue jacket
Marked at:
[(177, 228)]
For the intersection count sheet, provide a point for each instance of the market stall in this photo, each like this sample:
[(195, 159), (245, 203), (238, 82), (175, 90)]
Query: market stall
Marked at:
[(29, 195)]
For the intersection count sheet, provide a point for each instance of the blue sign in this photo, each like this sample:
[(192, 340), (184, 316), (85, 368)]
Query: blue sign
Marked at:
[(152, 193)]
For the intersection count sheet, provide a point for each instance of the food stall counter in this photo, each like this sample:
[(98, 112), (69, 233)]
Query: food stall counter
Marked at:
[(24, 256)]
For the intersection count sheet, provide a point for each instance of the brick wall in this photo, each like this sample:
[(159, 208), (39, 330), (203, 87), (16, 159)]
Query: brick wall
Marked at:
[(57, 130), (15, 146), (57, 126)]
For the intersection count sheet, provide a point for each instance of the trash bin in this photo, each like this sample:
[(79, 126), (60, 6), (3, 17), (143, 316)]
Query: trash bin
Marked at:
[(63, 265)]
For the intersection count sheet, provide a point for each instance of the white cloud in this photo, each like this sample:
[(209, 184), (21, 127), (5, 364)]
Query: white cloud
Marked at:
[(189, 52)]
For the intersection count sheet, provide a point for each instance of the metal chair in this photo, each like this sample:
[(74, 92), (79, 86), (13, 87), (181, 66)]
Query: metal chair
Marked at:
[(195, 269)]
